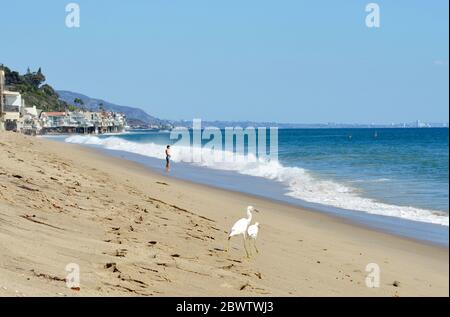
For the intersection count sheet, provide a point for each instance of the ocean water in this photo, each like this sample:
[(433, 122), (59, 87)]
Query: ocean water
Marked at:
[(398, 173)]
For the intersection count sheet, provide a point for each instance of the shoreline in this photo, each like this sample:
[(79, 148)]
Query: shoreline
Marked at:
[(433, 234), (295, 185), (326, 255), (321, 209)]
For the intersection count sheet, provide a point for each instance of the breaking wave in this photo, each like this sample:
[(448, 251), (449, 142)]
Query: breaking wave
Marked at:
[(301, 183)]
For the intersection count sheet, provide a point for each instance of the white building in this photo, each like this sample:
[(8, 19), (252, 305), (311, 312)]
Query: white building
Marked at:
[(11, 105), (31, 122)]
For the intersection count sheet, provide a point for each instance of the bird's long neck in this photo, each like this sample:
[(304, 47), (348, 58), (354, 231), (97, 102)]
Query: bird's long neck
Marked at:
[(249, 216)]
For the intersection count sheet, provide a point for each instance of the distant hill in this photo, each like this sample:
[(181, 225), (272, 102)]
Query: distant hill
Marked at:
[(135, 116)]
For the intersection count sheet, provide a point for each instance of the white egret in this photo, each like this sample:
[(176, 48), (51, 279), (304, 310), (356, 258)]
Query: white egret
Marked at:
[(252, 233), (240, 228)]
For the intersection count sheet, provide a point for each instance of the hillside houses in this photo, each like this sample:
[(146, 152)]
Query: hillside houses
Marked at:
[(16, 116), (82, 122), (30, 121)]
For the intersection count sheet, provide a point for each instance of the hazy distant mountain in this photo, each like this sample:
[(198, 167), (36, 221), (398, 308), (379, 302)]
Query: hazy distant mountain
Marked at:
[(134, 115)]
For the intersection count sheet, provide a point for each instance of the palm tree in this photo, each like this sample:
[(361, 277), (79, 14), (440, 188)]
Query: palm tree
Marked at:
[(80, 103)]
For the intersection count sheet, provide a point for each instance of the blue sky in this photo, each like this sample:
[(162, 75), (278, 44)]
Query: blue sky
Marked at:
[(287, 61)]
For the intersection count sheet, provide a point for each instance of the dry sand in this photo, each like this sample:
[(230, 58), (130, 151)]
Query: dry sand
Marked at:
[(134, 232)]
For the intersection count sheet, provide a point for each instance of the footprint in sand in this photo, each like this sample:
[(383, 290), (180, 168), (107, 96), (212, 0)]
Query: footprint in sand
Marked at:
[(112, 267), (121, 253)]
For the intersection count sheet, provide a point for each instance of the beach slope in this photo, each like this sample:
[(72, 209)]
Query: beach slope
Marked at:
[(133, 232)]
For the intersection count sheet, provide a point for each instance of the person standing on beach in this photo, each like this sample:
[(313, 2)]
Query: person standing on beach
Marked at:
[(168, 156)]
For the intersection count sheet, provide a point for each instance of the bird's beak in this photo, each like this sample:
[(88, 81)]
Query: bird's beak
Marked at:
[(256, 210)]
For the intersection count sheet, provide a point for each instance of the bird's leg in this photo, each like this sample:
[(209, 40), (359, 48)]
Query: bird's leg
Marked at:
[(228, 245), (254, 243), (249, 245), (245, 247)]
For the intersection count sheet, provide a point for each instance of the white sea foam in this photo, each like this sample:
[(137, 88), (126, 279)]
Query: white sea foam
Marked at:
[(301, 183), (378, 180)]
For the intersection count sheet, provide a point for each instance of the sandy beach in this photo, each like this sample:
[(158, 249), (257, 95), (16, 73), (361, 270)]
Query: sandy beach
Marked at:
[(134, 232)]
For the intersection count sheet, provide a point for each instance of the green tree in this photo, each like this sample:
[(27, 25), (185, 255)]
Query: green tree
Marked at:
[(34, 91), (72, 108), (80, 103)]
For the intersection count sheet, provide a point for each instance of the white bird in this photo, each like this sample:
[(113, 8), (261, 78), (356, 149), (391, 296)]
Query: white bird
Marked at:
[(240, 228), (252, 233)]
